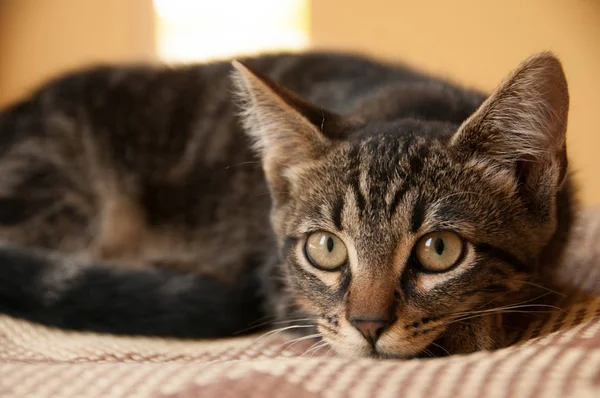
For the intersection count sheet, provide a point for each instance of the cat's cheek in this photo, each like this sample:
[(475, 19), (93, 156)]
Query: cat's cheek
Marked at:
[(304, 305), (484, 333), (406, 344)]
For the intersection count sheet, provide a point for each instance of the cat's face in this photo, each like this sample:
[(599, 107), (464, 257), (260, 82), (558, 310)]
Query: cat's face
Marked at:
[(390, 239), (395, 236)]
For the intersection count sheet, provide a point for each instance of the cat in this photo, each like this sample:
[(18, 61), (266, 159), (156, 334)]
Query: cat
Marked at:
[(392, 212)]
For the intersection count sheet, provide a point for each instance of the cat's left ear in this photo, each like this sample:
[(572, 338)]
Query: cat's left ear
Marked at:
[(523, 126), (287, 131)]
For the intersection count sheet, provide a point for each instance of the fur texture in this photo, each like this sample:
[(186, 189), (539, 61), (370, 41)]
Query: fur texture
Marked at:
[(178, 202)]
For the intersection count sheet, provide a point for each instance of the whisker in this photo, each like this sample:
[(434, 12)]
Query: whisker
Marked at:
[(255, 325), (492, 300), (272, 333), (530, 300), (295, 320), (318, 342), (506, 293), (540, 305), (428, 352), (319, 348), (467, 317), (315, 347), (440, 347), (295, 341), (272, 322), (544, 287), (516, 305), (511, 307)]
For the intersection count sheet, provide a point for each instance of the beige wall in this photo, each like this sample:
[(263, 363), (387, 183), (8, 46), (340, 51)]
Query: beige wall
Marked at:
[(476, 42), (40, 38)]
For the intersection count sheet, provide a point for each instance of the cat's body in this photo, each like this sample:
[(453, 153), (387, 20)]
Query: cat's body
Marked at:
[(133, 202)]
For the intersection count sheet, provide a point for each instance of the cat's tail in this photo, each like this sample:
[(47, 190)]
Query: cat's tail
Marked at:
[(155, 302)]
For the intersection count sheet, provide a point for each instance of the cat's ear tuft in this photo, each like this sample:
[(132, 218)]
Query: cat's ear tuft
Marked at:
[(286, 130), (523, 124), (281, 124)]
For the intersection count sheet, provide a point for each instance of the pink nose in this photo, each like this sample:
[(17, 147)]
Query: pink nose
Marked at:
[(370, 329)]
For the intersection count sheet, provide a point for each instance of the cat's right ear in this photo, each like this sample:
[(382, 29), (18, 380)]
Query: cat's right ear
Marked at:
[(522, 125), (287, 131)]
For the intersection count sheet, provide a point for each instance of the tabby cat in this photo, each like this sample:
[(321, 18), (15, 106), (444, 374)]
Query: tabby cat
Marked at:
[(389, 211)]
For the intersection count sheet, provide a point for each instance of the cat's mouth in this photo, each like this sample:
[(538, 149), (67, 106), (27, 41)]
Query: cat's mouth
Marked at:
[(433, 350), (380, 354), (376, 354), (401, 349), (404, 340)]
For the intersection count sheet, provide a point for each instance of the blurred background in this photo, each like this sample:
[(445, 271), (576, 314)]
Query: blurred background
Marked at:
[(472, 42)]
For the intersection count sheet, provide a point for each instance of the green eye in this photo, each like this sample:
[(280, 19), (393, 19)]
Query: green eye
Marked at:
[(439, 251), (326, 251)]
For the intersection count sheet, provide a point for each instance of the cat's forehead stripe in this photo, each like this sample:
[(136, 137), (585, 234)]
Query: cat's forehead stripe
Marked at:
[(374, 174), (399, 194), (336, 212), (353, 177), (418, 215)]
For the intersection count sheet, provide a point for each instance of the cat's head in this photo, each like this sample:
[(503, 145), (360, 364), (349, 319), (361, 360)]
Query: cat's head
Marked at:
[(395, 235)]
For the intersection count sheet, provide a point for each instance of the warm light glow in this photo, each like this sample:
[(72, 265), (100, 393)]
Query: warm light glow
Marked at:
[(198, 30)]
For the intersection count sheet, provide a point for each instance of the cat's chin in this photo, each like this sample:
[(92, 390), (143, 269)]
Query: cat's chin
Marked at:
[(458, 339), (434, 350), (366, 351), (379, 354), (353, 345)]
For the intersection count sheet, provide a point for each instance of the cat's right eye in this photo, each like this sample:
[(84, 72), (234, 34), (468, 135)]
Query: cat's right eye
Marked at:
[(439, 251), (326, 251)]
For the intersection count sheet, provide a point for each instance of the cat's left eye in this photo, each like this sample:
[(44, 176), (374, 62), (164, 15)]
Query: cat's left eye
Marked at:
[(326, 251), (439, 251)]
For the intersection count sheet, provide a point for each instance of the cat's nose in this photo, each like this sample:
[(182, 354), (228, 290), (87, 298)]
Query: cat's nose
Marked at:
[(370, 329)]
